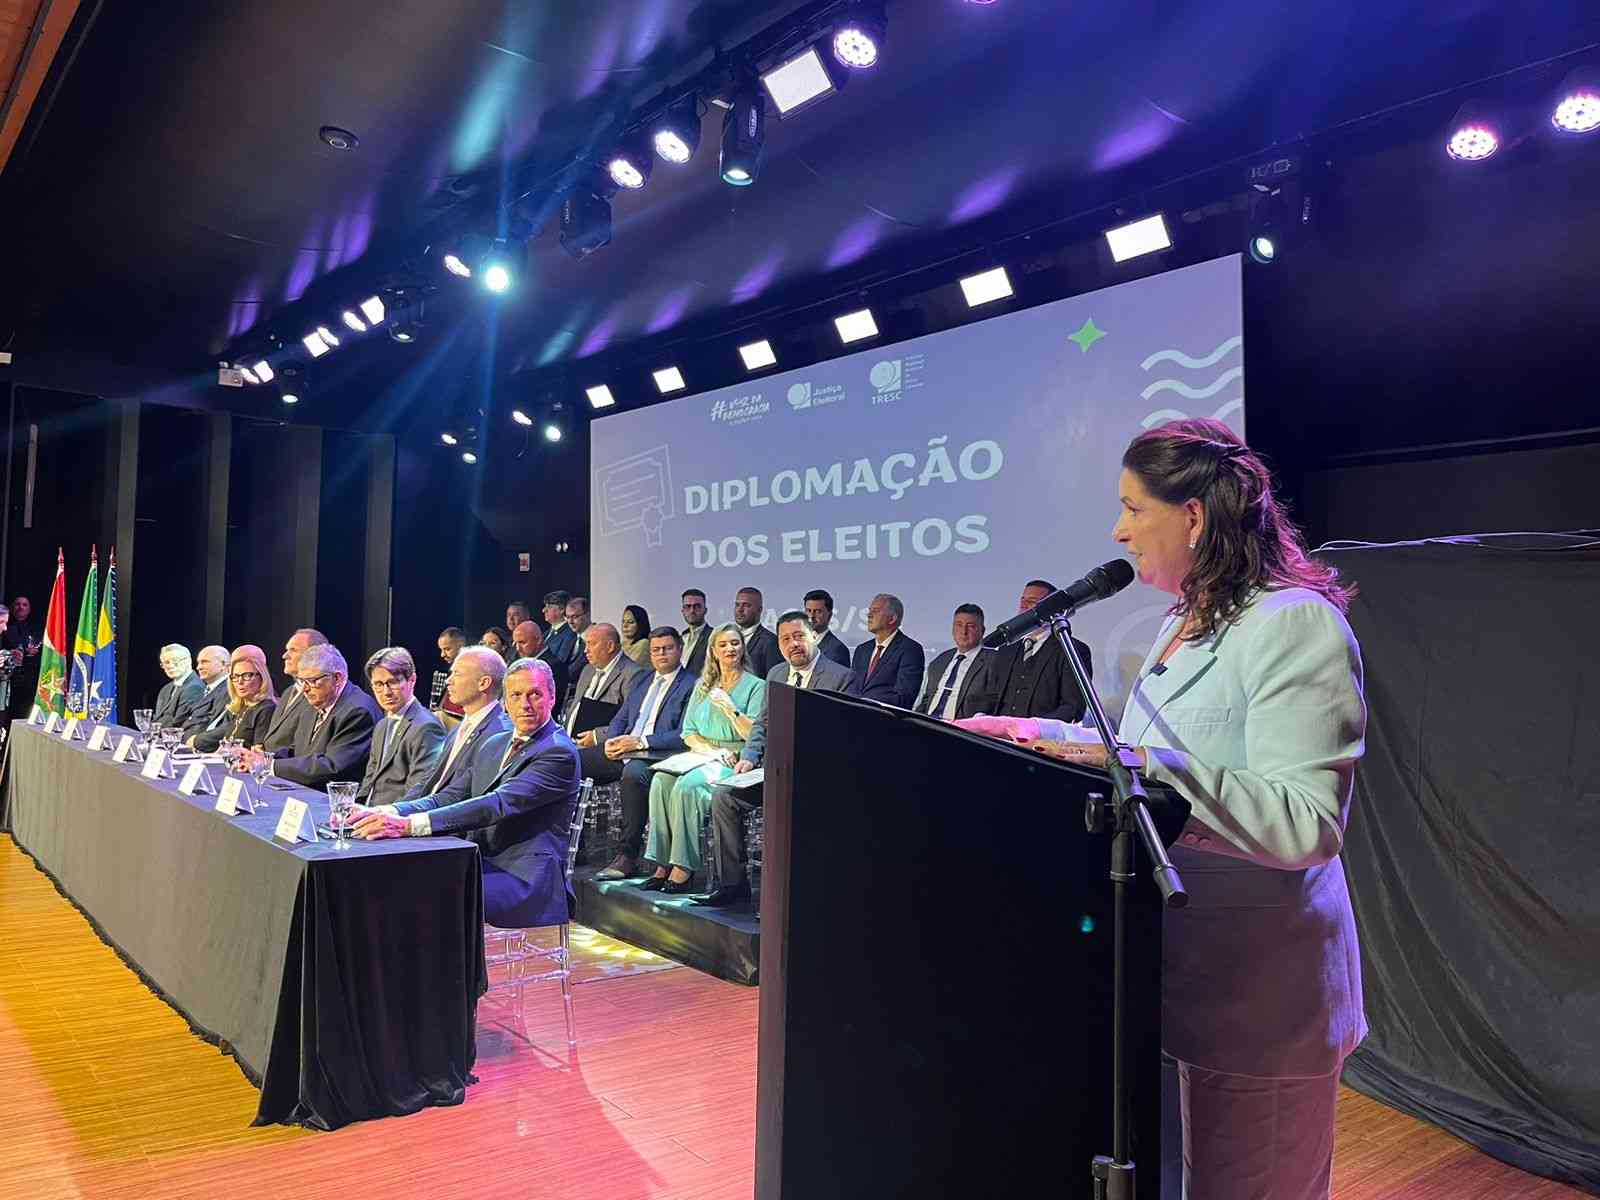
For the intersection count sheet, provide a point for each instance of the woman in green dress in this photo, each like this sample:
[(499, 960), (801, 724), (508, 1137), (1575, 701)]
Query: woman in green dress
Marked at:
[(722, 711)]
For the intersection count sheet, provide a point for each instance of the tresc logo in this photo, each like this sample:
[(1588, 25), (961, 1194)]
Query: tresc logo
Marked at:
[(891, 378), (809, 395)]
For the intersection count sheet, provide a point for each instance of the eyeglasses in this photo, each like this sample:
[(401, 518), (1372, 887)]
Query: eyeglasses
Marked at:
[(245, 676), (313, 680), (389, 685)]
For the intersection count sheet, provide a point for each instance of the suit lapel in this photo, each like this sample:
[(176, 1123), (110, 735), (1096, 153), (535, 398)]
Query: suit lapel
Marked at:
[(1154, 691), (398, 732), (511, 764)]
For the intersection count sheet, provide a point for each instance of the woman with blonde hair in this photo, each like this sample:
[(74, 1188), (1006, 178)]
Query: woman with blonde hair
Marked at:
[(251, 703), (722, 711)]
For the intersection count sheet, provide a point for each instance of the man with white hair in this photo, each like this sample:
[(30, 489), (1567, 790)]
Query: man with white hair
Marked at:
[(211, 664), (515, 804), (333, 740), (176, 701)]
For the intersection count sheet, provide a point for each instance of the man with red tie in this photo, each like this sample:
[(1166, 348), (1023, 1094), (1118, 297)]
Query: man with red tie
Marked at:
[(889, 667), (516, 804)]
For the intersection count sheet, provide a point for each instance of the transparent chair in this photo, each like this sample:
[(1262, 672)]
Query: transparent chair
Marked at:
[(755, 846), (519, 962), (603, 828)]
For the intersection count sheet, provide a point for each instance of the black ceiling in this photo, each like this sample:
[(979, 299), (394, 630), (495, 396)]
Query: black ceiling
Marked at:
[(171, 194)]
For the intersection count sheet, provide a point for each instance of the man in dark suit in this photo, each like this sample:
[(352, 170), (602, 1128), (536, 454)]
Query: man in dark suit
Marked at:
[(960, 680), (1033, 676), (760, 643), (819, 611), (405, 743), (292, 708), (696, 633), (648, 727), (334, 742), (803, 667), (211, 664), (606, 679), (516, 804), (476, 676), (889, 667), (178, 698), (578, 620), (560, 640)]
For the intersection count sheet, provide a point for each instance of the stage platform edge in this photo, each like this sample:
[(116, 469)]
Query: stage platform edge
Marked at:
[(721, 942)]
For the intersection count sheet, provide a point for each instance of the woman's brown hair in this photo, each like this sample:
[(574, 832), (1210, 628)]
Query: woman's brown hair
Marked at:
[(1248, 541)]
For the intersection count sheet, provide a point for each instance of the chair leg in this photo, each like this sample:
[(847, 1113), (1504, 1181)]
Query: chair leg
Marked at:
[(566, 984)]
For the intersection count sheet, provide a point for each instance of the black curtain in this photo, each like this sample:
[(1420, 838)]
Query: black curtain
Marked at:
[(1474, 848)]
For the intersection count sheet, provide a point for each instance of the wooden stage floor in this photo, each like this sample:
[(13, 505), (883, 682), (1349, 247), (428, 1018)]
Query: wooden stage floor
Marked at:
[(105, 1093)]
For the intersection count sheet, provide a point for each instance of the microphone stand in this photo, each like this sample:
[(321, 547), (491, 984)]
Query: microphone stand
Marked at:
[(1127, 819)]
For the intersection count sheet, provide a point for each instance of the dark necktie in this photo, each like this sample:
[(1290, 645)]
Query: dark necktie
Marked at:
[(943, 697), (517, 743), (873, 665)]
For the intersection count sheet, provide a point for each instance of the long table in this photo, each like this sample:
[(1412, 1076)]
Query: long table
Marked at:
[(344, 982)]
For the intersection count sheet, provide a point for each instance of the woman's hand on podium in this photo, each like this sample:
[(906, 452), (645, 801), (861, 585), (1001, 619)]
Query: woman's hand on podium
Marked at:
[(1079, 753), (1010, 729)]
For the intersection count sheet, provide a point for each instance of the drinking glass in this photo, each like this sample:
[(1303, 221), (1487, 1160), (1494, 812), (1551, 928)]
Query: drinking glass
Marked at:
[(341, 806), (260, 771), (141, 722)]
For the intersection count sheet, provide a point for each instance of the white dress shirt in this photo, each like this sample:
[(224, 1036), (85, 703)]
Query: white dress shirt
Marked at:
[(653, 700), (954, 676)]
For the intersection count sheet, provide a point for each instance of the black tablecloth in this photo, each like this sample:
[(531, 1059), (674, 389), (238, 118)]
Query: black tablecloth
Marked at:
[(344, 981)]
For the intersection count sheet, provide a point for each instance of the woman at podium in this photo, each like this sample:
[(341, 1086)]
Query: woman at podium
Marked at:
[(1249, 705)]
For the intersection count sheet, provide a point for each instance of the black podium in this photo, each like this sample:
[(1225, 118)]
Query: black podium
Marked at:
[(936, 964)]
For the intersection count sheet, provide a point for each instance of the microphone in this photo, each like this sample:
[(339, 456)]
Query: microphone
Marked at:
[(1105, 580)]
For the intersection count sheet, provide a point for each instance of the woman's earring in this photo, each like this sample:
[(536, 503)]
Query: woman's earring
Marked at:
[(1192, 541)]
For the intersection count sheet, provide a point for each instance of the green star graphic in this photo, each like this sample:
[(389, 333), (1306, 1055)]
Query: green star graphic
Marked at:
[(1088, 335)]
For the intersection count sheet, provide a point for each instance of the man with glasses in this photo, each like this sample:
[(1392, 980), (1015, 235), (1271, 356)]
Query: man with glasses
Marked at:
[(176, 702), (333, 740), (696, 637), (406, 742)]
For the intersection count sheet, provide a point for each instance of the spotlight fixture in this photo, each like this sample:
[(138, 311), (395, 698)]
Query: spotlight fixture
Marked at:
[(455, 266), (1577, 108), (552, 432), (327, 335), (631, 162), (1474, 135), (372, 309), (314, 344), (856, 326), (1263, 248), (520, 417), (986, 286), (1148, 235), (290, 395), (449, 439), (669, 379), (585, 223), (800, 82), (757, 355), (352, 321), (600, 396), (676, 133), (744, 132), (1269, 222), (249, 374), (467, 456), (502, 266), (858, 39), (264, 372), (405, 325)]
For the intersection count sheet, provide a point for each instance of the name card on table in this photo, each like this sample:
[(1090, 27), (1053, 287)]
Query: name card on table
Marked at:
[(69, 731), (99, 738), (127, 750), (234, 798), (296, 825), (36, 717), (197, 781), (156, 765), (53, 724)]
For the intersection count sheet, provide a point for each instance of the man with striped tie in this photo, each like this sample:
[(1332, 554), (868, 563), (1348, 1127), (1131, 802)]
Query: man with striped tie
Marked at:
[(334, 738), (406, 742)]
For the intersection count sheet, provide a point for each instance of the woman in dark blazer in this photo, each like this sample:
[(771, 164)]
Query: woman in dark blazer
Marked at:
[(251, 702)]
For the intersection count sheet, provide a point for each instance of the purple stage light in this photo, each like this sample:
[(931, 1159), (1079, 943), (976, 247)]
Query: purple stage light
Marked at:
[(1472, 142), (1578, 112)]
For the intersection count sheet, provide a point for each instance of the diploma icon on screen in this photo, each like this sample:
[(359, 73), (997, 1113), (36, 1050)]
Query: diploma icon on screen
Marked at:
[(635, 493)]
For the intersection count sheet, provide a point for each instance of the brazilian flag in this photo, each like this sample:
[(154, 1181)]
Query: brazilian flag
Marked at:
[(83, 646)]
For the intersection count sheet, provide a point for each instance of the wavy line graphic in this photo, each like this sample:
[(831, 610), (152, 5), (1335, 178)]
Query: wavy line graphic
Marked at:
[(1189, 393), (1163, 415), (1235, 405), (1194, 364)]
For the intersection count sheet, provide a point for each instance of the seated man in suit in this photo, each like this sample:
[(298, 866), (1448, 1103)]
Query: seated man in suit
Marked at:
[(1033, 677), (606, 680), (292, 708), (334, 743), (961, 680), (529, 641), (474, 685), (405, 744), (516, 804), (804, 667), (578, 621), (761, 652), (451, 639), (889, 667), (648, 727), (178, 698), (516, 613), (819, 611), (696, 633), (211, 664)]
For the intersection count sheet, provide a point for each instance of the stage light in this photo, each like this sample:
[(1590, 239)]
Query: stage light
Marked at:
[(264, 371), (676, 133), (1263, 248), (552, 432), (1577, 108), (290, 396), (855, 326), (858, 39), (467, 456), (352, 321), (600, 396), (455, 266), (249, 374), (800, 82), (1474, 135), (327, 335), (744, 133), (405, 326), (669, 379), (585, 223), (631, 162), (314, 344), (449, 439), (986, 286), (502, 265), (497, 278), (1147, 235), (757, 355), (372, 309), (520, 417)]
